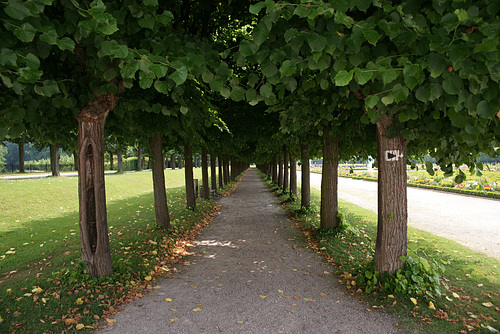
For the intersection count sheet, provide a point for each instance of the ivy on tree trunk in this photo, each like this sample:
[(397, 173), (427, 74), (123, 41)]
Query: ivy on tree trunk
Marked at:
[(94, 241), (329, 183), (160, 195), (392, 201)]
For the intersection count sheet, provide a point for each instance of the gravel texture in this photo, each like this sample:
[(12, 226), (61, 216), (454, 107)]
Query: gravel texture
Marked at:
[(251, 274)]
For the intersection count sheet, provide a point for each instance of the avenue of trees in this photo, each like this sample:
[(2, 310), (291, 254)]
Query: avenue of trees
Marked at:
[(274, 83)]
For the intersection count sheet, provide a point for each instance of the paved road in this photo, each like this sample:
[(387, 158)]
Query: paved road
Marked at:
[(251, 274), (471, 221)]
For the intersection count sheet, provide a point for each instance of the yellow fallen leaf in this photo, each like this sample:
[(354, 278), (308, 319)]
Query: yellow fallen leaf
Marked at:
[(148, 278), (391, 296), (196, 309), (488, 304), (79, 301), (1, 320), (455, 295), (293, 304), (9, 291), (174, 319), (154, 252), (69, 321), (173, 309), (194, 286), (262, 296), (413, 300), (473, 316), (80, 326), (110, 321), (431, 306), (44, 300), (239, 322), (37, 289), (322, 294), (168, 299), (280, 291)]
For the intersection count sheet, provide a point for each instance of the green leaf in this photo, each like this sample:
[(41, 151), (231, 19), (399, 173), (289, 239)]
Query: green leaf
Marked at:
[(159, 70), (165, 18), (29, 74), (66, 43), (423, 93), (260, 33), (256, 8), (389, 76), (6, 81), (32, 61), (362, 76), (371, 101), (317, 43), (181, 73), (486, 110), (25, 33), (146, 80), (436, 64), (146, 22), (237, 94), (151, 3), (162, 87), (129, 69), (266, 90), (207, 76), (290, 83), (343, 78), (269, 69), (8, 58), (247, 48), (400, 93), (48, 89), (302, 10), (287, 68), (49, 36), (184, 110), (487, 45), (452, 85), (388, 99), (17, 10), (110, 74), (371, 35)]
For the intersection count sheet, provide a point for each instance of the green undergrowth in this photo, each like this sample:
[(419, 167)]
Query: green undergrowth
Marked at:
[(45, 289), (444, 288)]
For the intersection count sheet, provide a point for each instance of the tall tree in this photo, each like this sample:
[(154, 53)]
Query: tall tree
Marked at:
[(160, 196), (188, 174)]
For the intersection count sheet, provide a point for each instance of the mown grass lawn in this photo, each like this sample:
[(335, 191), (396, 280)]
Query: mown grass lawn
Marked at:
[(42, 285)]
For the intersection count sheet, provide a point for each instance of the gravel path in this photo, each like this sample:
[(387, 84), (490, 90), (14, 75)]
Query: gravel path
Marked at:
[(469, 220), (251, 274)]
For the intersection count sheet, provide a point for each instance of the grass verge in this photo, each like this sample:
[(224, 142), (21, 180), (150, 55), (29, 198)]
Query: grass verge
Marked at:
[(470, 303), (44, 287)]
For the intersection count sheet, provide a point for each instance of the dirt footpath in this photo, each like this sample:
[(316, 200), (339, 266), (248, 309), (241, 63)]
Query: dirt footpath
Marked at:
[(251, 274)]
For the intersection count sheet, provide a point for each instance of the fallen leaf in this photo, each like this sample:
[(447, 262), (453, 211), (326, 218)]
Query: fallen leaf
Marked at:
[(239, 322), (390, 296), (168, 299), (148, 278), (262, 296), (174, 319), (69, 321), (455, 295), (79, 301), (197, 309), (431, 306), (80, 326), (488, 304), (413, 300), (1, 320), (280, 291)]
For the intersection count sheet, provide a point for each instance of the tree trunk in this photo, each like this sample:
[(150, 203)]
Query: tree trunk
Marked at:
[(293, 177), (172, 161), (139, 158), (204, 174), (329, 183), (54, 160), (280, 171), (94, 242), (286, 158), (190, 195), (226, 169), (213, 172), (160, 195), (119, 157), (111, 160), (274, 169), (221, 174), (76, 159), (21, 158), (181, 164), (392, 201), (305, 193)]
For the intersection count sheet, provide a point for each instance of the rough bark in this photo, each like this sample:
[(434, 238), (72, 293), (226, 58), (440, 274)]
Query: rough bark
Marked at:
[(329, 183), (286, 161), (280, 171), (54, 160), (139, 158), (111, 162), (213, 172), (305, 191), (160, 195), (21, 158), (392, 199), (226, 169), (188, 172), (204, 174), (94, 242), (119, 157), (293, 177)]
